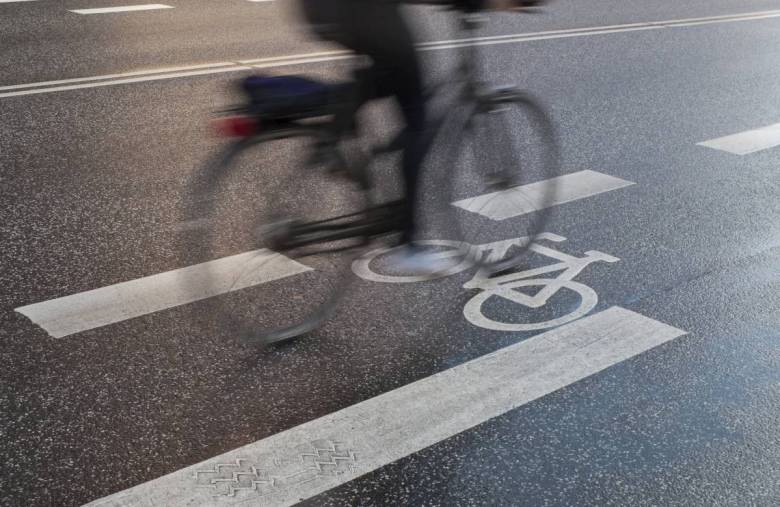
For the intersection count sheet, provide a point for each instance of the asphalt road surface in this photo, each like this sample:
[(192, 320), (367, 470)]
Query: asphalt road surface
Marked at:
[(651, 378)]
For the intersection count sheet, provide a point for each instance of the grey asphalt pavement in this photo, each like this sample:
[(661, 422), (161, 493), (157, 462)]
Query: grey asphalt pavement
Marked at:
[(93, 187)]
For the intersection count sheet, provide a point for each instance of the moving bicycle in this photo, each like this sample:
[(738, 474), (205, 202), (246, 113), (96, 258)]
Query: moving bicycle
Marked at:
[(300, 179)]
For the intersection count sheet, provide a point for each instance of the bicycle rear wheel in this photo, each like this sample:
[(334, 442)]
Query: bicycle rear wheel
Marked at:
[(502, 159), (243, 208)]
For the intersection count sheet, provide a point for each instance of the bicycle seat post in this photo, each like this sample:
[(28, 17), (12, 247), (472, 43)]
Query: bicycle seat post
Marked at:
[(469, 24)]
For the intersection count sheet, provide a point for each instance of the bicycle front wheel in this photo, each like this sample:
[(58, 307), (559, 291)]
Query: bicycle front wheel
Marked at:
[(267, 288), (502, 172)]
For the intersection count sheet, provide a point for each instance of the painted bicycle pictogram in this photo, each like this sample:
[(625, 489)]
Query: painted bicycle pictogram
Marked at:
[(505, 286)]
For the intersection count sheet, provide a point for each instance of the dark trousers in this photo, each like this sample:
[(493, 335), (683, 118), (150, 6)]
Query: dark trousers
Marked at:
[(378, 30)]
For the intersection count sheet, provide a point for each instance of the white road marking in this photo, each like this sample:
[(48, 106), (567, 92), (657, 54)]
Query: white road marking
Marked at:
[(747, 142), (529, 198), (156, 77), (14, 1), (504, 287), (327, 56), (314, 457), (144, 76), (163, 70), (601, 30), (107, 305), (122, 8)]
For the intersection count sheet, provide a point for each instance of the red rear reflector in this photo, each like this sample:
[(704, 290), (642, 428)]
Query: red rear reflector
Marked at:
[(237, 126)]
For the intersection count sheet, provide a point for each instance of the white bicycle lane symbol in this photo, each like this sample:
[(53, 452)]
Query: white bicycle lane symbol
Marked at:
[(504, 286)]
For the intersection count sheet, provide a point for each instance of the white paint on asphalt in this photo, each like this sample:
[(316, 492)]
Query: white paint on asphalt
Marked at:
[(14, 1), (122, 8), (747, 142), (498, 287), (314, 457), (327, 56), (532, 197), (602, 30), (504, 287), (147, 72), (156, 77), (108, 305)]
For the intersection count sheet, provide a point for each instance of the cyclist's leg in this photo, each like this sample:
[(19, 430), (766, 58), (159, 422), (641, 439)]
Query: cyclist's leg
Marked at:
[(384, 36), (412, 102), (379, 31)]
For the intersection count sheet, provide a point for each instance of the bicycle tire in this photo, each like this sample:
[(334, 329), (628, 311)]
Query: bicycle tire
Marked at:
[(239, 203), (494, 162)]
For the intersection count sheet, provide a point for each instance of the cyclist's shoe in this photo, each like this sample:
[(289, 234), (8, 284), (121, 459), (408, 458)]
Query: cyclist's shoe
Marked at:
[(411, 260)]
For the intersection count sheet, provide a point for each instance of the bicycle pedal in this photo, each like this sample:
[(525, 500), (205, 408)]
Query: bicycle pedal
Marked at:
[(506, 271), (276, 234), (488, 273), (498, 183), (336, 169)]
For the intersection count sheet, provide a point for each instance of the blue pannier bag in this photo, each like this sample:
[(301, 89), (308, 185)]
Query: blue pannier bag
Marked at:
[(287, 96)]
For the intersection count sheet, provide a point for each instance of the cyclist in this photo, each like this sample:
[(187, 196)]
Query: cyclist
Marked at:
[(378, 30)]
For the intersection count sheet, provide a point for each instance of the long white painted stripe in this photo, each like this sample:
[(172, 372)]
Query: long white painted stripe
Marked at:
[(747, 142), (324, 453), (142, 79), (147, 72), (324, 55), (14, 1), (107, 305), (122, 8), (327, 56), (597, 30), (532, 197)]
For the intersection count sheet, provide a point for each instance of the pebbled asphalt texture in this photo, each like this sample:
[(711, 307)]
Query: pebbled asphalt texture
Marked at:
[(93, 185)]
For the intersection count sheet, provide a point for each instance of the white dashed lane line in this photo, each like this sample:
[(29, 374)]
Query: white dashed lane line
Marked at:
[(532, 197), (116, 303), (122, 8), (72, 314), (322, 454), (745, 143)]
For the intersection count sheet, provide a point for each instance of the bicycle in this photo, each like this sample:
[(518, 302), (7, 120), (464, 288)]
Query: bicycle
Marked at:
[(324, 221)]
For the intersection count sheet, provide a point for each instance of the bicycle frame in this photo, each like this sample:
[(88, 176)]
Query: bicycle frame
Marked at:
[(379, 220)]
